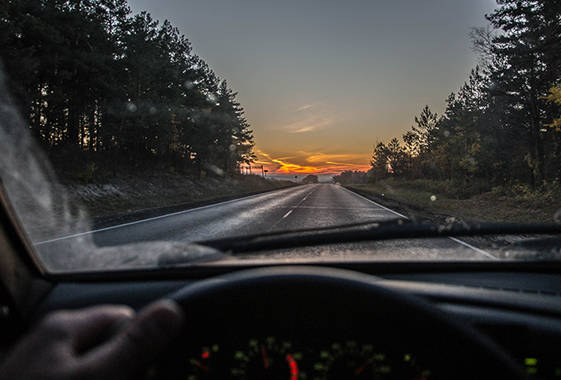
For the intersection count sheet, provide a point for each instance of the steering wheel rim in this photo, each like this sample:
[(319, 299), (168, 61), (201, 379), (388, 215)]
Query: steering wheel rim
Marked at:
[(309, 300)]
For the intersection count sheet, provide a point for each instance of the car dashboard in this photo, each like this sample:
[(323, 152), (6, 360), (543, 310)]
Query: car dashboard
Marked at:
[(519, 311)]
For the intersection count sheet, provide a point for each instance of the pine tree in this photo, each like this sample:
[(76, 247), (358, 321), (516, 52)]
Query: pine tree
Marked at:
[(526, 64)]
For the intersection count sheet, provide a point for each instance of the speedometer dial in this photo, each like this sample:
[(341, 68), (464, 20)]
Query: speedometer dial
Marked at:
[(207, 365), (267, 359)]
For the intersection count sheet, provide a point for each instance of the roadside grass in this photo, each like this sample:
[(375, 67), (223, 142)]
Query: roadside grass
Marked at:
[(505, 204), (124, 195)]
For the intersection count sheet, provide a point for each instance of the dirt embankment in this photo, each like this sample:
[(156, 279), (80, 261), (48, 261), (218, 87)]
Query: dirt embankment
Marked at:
[(428, 207), (435, 204), (126, 199), (415, 212)]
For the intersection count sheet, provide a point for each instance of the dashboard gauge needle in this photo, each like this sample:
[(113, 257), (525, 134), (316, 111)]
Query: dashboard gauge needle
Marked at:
[(202, 366), (265, 358), (359, 370)]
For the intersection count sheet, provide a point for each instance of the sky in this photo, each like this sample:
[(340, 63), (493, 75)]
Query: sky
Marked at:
[(321, 81)]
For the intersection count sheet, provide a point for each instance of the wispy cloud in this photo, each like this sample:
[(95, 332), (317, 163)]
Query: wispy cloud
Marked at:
[(307, 106), (310, 123), (309, 117), (336, 159)]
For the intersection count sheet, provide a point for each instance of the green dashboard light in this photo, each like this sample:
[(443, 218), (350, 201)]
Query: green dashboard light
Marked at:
[(531, 370), (531, 361)]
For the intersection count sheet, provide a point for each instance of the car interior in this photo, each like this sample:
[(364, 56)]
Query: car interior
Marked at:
[(251, 313), (317, 320)]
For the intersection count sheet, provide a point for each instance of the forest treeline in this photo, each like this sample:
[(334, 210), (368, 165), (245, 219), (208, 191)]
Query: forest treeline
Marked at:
[(503, 127), (108, 91)]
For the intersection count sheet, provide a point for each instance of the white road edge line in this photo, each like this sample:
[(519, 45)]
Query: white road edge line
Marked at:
[(377, 204), (485, 253), (148, 219), (288, 213), (474, 248)]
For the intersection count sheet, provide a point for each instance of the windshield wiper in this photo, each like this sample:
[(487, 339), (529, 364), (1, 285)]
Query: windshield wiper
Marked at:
[(226, 244), (371, 231)]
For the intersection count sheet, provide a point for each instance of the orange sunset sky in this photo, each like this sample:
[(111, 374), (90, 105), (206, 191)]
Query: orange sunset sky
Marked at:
[(311, 139), (321, 81)]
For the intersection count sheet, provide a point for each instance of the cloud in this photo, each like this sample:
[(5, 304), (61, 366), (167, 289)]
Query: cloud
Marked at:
[(307, 106), (308, 128), (315, 163), (309, 118), (282, 165), (310, 124), (345, 159)]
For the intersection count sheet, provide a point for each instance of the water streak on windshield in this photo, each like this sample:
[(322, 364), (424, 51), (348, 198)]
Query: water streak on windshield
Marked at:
[(43, 208)]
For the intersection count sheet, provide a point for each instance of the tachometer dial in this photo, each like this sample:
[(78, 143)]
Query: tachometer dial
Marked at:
[(351, 360), (267, 359)]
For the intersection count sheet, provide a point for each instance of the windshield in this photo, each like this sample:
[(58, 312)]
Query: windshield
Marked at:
[(140, 133)]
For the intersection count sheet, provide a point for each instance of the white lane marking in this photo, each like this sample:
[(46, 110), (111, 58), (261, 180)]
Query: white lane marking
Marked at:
[(377, 204), (326, 208), (485, 253), (474, 248), (306, 197), (303, 199), (149, 219), (288, 213)]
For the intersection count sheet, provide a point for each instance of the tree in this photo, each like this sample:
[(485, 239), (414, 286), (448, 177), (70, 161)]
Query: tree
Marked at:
[(526, 64), (458, 139), (310, 179), (555, 98), (348, 177), (419, 144), (379, 161), (423, 133), (99, 85), (396, 157), (234, 139), (504, 119)]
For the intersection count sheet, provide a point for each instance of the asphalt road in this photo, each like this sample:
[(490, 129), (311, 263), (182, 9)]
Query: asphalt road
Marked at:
[(309, 206)]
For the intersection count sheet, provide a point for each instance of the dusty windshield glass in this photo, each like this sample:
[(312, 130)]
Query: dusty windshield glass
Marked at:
[(138, 133)]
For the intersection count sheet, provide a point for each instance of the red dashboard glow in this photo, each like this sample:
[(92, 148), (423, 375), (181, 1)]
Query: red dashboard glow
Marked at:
[(293, 367)]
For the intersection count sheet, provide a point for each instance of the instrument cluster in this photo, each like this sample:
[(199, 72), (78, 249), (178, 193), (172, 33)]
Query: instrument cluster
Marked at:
[(279, 359)]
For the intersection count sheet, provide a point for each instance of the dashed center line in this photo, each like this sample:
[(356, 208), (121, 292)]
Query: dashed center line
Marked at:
[(292, 208)]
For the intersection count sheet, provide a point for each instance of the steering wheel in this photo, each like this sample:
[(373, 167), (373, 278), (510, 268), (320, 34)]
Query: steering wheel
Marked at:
[(314, 305)]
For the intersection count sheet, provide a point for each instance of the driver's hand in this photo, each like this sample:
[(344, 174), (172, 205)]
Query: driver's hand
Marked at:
[(102, 342)]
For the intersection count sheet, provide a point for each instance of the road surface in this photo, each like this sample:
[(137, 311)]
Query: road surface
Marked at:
[(308, 206)]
